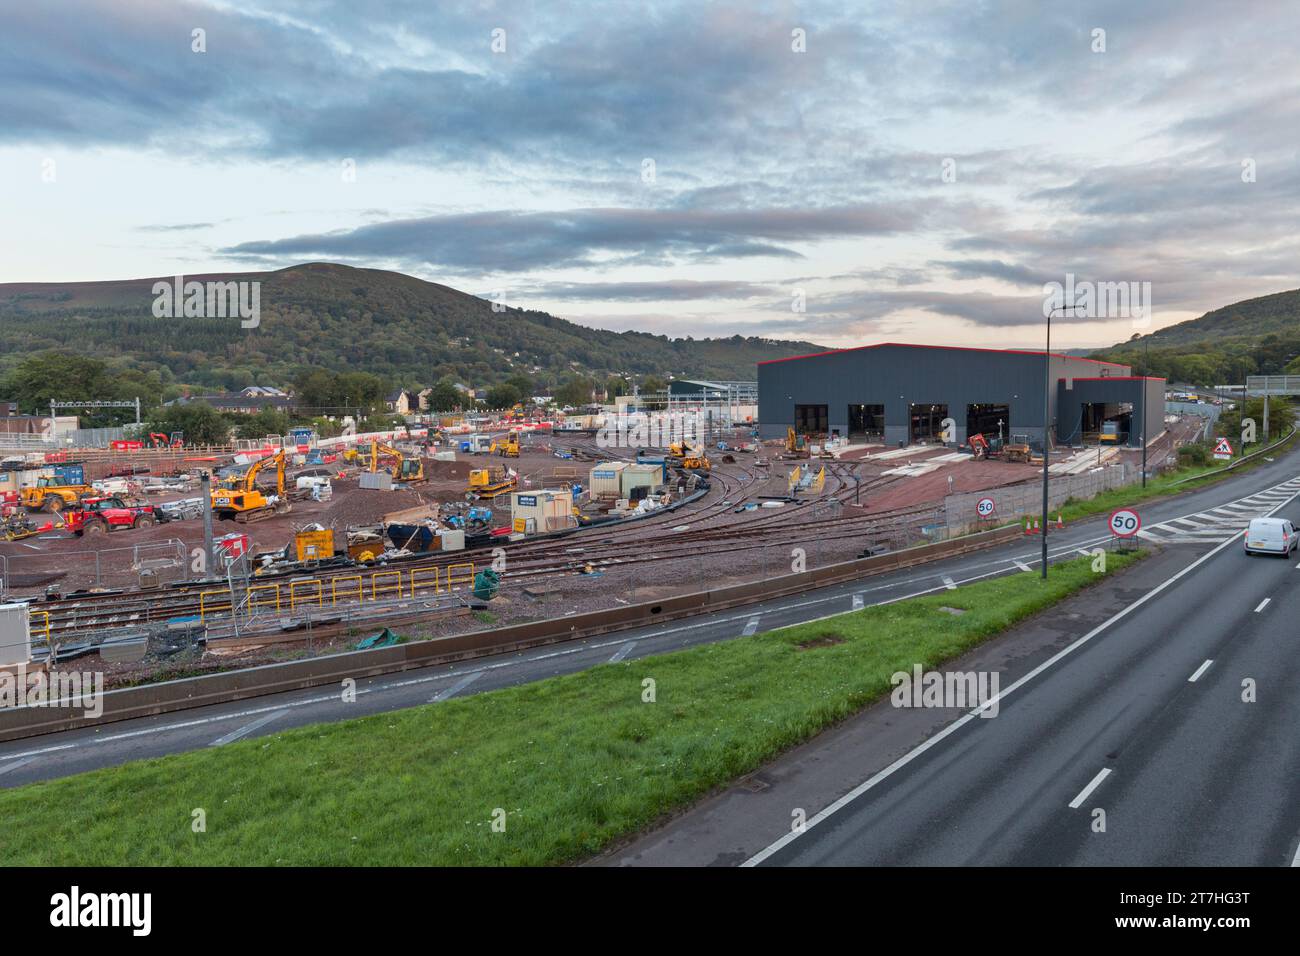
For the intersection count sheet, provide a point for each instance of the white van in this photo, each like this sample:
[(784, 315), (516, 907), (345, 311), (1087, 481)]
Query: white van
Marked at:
[(1270, 536)]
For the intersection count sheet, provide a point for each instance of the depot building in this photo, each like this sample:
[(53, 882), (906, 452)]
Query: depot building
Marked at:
[(901, 394)]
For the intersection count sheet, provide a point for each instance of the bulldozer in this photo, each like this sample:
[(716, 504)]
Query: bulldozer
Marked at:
[(243, 501), (403, 468), (50, 494), (490, 482), (507, 447)]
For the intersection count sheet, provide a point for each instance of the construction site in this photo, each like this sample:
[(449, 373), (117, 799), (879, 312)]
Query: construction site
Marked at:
[(156, 558)]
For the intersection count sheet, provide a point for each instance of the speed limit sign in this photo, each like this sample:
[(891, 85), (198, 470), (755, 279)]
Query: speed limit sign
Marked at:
[(1124, 523), (985, 507)]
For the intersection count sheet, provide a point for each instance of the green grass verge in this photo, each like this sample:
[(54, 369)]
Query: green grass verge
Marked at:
[(1168, 483), (574, 761)]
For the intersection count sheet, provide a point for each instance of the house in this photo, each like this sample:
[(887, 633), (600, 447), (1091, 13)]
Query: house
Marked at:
[(401, 402), (241, 402)]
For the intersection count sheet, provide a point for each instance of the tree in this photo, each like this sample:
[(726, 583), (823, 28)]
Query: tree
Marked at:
[(445, 397), (201, 423), (576, 391), (268, 421), (504, 395), (653, 383), (615, 387)]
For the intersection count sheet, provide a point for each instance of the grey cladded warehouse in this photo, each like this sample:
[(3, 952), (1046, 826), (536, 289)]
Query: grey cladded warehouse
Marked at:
[(900, 394)]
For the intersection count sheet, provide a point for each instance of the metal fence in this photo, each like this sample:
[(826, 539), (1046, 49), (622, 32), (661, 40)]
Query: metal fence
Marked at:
[(1017, 501), (141, 565)]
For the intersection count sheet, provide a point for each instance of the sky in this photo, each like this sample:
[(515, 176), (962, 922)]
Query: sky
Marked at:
[(840, 173)]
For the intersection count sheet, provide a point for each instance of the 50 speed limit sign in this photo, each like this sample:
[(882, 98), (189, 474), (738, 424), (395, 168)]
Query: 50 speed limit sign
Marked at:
[(1124, 523), (985, 507)]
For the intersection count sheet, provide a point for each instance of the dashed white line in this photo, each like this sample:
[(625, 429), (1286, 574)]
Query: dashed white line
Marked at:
[(750, 627), (247, 729), (622, 652), (16, 764), (1199, 671), (1084, 793), (456, 688), (1262, 604)]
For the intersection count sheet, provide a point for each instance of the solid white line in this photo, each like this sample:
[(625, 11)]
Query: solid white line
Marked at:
[(1083, 794), (750, 627), (622, 652), (1199, 671), (1262, 604), (16, 764), (457, 687), (1295, 861), (247, 729), (960, 722)]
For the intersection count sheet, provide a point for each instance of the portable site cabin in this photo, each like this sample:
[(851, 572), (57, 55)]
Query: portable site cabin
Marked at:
[(606, 479), (535, 512), (636, 476)]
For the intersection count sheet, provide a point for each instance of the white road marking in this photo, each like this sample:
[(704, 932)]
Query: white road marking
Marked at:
[(16, 764), (622, 652), (1295, 861), (1199, 671), (1021, 565), (966, 718), (1262, 604), (858, 600), (750, 627), (456, 688), (949, 583), (1083, 794), (247, 729)]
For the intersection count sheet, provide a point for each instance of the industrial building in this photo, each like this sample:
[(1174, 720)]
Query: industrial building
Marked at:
[(900, 394)]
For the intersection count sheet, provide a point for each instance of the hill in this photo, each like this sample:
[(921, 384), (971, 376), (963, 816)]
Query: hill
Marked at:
[(342, 318), (1253, 337)]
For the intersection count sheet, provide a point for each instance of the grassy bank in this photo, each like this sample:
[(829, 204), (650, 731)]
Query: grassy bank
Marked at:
[(1173, 482), (574, 762)]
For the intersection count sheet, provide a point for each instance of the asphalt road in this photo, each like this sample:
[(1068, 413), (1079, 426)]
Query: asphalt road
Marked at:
[(1126, 710), (57, 755)]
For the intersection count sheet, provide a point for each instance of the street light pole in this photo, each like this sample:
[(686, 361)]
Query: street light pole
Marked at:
[(1146, 371), (1047, 411)]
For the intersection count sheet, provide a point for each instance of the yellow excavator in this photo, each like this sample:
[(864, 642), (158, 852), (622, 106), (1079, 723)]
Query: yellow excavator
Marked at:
[(796, 445), (507, 447), (243, 501), (404, 469)]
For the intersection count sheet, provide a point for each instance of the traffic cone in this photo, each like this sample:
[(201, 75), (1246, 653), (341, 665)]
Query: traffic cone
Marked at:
[(1059, 523)]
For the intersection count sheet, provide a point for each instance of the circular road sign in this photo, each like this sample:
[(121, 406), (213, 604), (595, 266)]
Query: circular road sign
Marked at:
[(1124, 523), (985, 507)]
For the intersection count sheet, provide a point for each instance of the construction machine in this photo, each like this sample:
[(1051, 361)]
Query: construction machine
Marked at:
[(507, 447), (1017, 449), (796, 445), (403, 469), (490, 482), (52, 494), (243, 501)]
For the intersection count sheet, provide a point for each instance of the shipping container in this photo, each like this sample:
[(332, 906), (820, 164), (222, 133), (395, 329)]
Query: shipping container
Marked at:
[(547, 510), (606, 479)]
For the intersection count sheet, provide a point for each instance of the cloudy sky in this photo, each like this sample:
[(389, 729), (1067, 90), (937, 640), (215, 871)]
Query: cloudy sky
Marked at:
[(906, 171)]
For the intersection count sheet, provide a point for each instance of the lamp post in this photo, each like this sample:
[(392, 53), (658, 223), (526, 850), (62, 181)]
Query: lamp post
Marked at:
[(1146, 372), (1047, 411)]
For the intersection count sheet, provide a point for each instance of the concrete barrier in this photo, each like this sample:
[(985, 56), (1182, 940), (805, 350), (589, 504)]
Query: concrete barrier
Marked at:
[(187, 693)]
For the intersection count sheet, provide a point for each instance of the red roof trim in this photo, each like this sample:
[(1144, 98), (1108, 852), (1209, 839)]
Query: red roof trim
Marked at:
[(956, 348), (1113, 378)]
